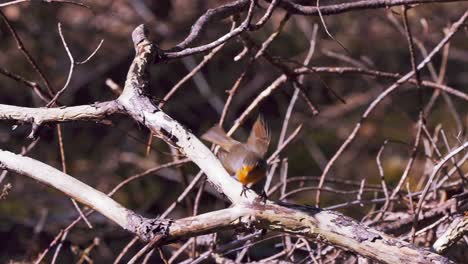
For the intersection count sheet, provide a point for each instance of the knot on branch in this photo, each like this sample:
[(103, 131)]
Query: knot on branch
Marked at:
[(146, 229)]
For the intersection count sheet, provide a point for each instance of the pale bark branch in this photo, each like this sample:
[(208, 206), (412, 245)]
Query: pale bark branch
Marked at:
[(97, 111), (134, 102), (310, 222), (455, 232), (66, 184)]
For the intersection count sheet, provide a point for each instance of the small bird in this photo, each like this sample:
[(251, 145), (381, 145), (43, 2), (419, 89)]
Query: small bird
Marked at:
[(246, 161)]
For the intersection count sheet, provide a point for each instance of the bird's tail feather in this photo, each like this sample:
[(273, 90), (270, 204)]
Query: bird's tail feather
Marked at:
[(217, 136)]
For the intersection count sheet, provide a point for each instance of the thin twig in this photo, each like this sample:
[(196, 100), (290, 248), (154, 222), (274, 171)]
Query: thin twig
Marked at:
[(326, 29), (285, 143), (435, 171), (26, 54), (409, 38), (381, 172), (59, 247), (125, 249), (455, 27)]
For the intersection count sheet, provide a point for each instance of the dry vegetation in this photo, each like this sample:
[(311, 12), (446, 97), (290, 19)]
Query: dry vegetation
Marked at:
[(366, 103)]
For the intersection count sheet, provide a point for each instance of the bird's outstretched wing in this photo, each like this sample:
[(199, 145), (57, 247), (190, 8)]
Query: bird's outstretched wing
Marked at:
[(223, 156), (238, 157), (259, 138)]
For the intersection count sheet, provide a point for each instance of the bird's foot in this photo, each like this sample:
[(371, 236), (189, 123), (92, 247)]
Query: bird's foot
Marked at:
[(244, 191), (264, 197)]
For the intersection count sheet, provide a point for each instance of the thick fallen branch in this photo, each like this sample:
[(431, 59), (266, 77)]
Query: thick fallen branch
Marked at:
[(313, 223), (326, 226), (457, 229)]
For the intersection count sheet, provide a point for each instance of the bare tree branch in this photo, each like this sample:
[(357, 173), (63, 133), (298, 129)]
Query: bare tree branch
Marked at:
[(39, 116), (313, 223)]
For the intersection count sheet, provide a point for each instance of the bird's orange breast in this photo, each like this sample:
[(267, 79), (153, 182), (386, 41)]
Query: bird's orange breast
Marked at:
[(249, 174)]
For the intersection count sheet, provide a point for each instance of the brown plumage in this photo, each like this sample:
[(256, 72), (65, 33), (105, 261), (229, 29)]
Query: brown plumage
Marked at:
[(246, 160)]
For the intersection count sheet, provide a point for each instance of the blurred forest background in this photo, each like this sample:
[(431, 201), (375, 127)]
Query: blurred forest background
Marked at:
[(103, 154)]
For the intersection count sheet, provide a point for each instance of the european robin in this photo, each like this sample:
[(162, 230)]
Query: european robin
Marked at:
[(246, 161)]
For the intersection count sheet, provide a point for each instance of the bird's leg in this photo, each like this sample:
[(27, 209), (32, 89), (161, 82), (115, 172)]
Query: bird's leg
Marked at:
[(244, 191), (263, 196)]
